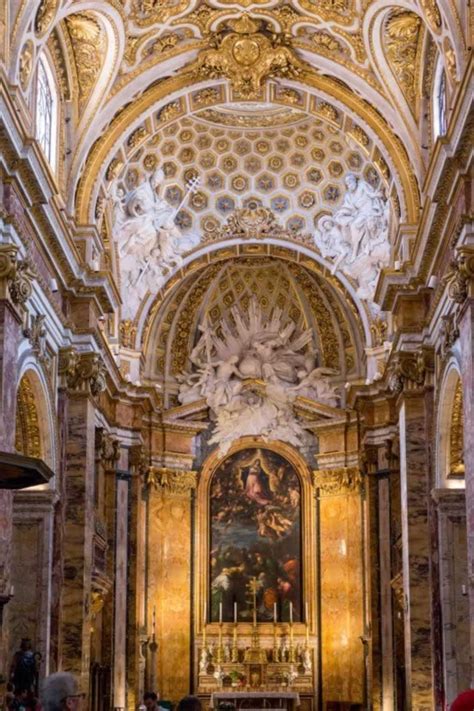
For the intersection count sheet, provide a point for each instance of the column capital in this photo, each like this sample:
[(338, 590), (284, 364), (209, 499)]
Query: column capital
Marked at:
[(82, 373), (16, 275), (171, 481), (107, 448), (410, 370), (461, 274)]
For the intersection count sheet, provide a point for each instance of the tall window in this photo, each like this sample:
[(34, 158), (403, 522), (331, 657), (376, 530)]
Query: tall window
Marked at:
[(439, 102), (46, 112)]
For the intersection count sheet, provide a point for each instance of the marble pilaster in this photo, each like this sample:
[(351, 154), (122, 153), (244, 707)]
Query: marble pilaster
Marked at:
[(78, 536), (451, 508), (414, 416), (466, 336), (120, 598)]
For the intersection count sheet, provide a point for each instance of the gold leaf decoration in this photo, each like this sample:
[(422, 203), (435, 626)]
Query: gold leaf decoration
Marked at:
[(45, 16), (89, 45), (403, 32)]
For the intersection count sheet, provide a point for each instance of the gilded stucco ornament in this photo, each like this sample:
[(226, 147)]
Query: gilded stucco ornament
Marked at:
[(251, 222), (334, 482), (45, 16), (402, 42), (170, 481), (89, 45), (26, 64), (449, 334), (16, 275), (247, 53)]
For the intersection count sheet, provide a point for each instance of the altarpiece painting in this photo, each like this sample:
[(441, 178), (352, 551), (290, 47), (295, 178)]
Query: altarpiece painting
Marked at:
[(255, 531)]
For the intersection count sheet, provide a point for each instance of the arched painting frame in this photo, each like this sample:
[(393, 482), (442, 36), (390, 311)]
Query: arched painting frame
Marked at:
[(240, 456)]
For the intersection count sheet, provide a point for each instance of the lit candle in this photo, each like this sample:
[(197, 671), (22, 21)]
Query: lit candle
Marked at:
[(235, 613), (274, 612), (291, 613), (306, 613), (204, 616), (220, 613)]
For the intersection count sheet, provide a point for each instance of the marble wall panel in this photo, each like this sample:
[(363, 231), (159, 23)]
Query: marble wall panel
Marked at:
[(342, 597)]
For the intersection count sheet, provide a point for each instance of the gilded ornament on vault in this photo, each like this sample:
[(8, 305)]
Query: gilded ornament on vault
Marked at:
[(247, 52)]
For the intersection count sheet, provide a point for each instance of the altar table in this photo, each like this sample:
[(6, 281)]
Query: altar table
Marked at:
[(251, 700)]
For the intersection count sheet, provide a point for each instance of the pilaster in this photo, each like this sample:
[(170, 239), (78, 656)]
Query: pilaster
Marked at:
[(82, 376), (169, 578)]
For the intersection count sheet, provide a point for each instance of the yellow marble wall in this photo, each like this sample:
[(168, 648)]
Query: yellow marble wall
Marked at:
[(342, 595), (169, 586)]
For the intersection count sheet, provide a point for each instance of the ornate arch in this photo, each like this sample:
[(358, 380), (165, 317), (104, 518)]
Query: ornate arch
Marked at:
[(35, 426)]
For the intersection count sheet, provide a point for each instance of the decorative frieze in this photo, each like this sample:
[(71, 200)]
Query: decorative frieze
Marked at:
[(171, 481), (343, 480), (82, 372)]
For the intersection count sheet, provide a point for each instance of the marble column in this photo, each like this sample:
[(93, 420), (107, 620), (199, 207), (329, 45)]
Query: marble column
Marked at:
[(169, 578), (466, 337), (121, 591), (415, 416)]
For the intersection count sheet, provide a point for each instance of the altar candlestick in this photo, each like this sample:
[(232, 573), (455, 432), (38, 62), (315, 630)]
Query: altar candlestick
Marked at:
[(235, 613), (153, 624), (220, 613), (274, 612), (307, 625)]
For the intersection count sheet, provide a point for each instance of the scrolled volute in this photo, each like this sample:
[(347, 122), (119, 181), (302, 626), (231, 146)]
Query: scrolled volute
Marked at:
[(82, 372)]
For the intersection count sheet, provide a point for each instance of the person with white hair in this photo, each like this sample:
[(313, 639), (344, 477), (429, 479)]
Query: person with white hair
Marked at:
[(59, 692)]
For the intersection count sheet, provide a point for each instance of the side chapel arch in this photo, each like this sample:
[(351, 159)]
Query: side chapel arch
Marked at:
[(449, 430), (34, 436)]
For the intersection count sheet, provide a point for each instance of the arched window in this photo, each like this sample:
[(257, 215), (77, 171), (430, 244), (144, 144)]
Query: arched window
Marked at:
[(439, 102), (47, 112)]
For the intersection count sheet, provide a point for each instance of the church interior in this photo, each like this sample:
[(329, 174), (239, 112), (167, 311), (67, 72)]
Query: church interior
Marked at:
[(237, 351)]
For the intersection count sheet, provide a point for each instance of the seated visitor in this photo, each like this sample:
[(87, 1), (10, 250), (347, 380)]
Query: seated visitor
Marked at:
[(189, 703)]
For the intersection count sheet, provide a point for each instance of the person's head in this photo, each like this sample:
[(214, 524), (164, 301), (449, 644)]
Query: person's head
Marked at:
[(150, 699), (464, 701), (59, 692), (189, 703)]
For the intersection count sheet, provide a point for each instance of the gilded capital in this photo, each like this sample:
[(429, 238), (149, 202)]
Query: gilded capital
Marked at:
[(16, 275), (342, 480), (461, 274), (407, 370), (82, 372)]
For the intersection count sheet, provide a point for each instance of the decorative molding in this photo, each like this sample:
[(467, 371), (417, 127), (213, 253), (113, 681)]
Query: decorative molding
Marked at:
[(82, 372), (45, 15), (251, 222), (449, 334), (170, 481), (333, 482)]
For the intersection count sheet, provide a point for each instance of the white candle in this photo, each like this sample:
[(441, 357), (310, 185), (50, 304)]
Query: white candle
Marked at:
[(204, 615), (235, 613), (306, 613), (274, 612), (220, 612), (291, 613)]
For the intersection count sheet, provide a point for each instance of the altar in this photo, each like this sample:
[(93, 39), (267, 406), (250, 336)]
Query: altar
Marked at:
[(256, 700)]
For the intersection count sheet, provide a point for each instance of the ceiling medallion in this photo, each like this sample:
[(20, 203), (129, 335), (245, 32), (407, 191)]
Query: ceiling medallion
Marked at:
[(248, 52)]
